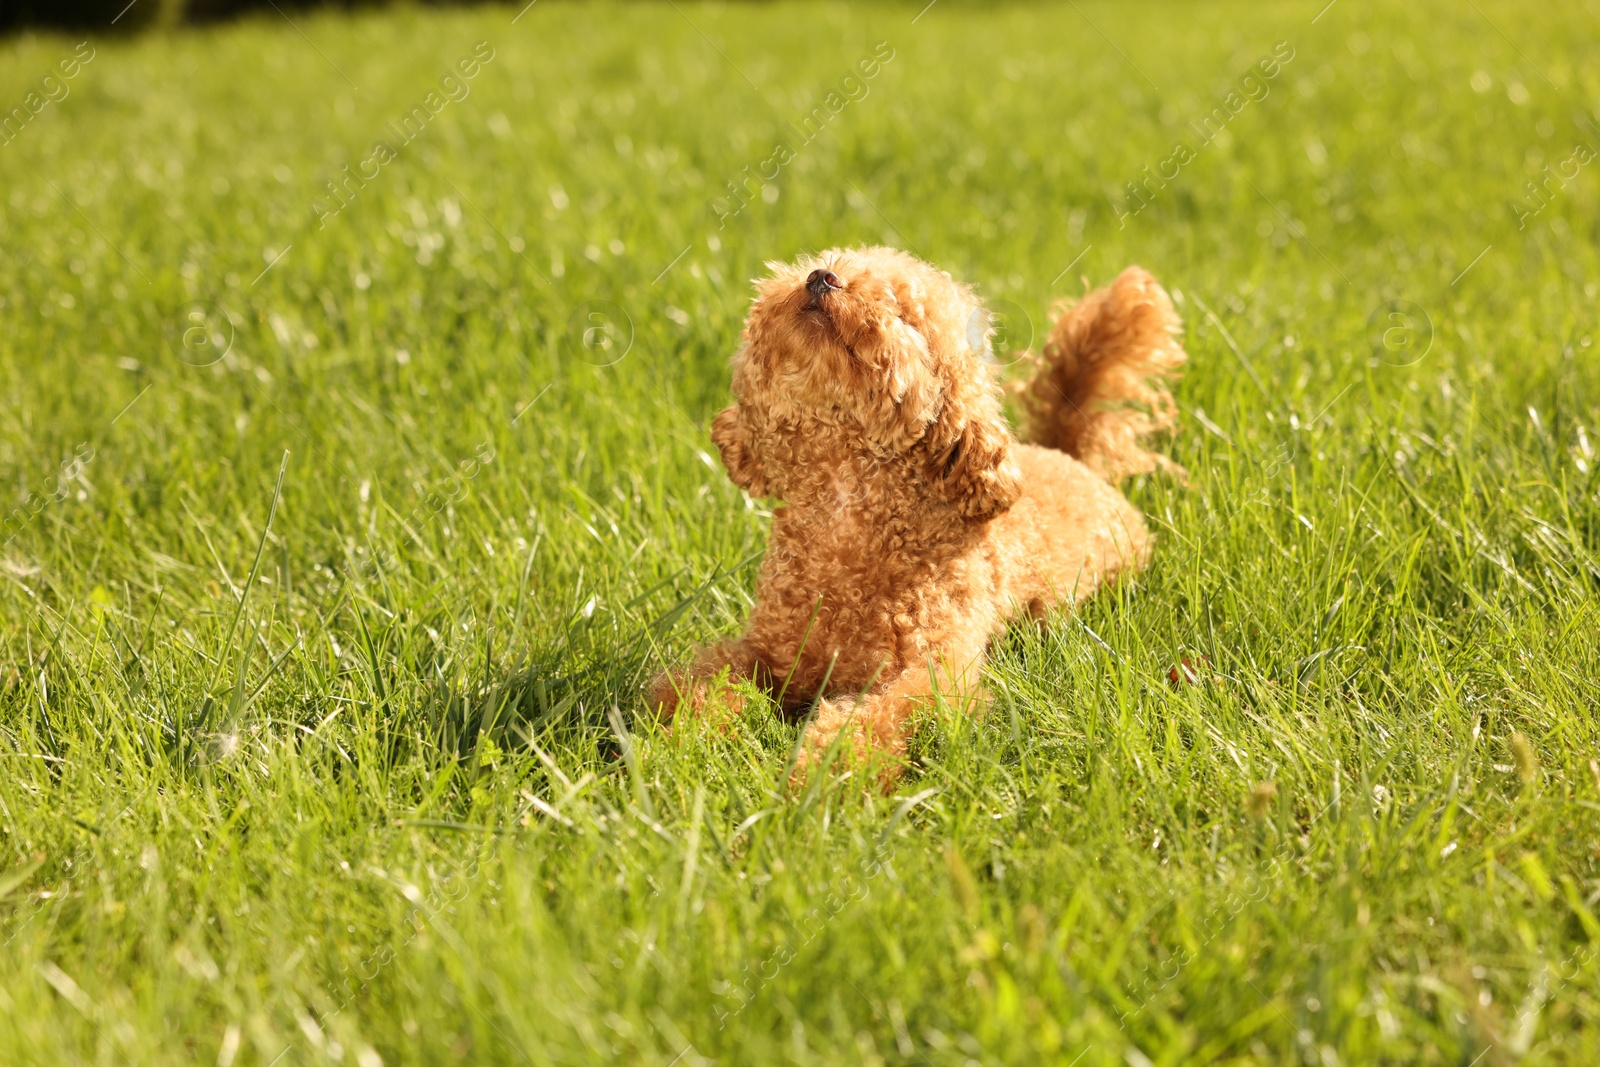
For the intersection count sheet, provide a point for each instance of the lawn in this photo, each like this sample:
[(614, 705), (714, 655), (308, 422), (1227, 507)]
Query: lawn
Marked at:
[(347, 512)]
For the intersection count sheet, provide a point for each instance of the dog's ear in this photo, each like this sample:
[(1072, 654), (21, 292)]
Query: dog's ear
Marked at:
[(969, 459), (939, 401), (732, 438)]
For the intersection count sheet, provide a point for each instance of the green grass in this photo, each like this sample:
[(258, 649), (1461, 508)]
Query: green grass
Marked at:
[(309, 668)]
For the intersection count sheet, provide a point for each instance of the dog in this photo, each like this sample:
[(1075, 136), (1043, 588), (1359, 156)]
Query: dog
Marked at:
[(913, 523)]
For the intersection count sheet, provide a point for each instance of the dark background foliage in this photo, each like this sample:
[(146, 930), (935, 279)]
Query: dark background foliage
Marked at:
[(120, 15)]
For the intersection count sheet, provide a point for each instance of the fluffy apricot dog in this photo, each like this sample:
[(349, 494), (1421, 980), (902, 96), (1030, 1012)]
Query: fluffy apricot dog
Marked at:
[(913, 524)]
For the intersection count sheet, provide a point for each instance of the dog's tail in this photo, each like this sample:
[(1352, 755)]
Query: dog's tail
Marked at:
[(1099, 391)]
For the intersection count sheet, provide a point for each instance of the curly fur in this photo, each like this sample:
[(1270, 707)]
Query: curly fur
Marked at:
[(913, 524), (1099, 389)]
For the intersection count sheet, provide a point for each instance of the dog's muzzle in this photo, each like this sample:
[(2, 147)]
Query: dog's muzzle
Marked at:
[(823, 282)]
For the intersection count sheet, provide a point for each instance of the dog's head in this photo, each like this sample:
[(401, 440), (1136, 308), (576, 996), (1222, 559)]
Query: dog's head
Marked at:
[(883, 351)]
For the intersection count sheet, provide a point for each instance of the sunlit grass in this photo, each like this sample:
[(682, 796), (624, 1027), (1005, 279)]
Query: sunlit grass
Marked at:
[(334, 560)]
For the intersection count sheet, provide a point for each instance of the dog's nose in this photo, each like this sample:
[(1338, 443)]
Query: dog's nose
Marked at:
[(823, 282)]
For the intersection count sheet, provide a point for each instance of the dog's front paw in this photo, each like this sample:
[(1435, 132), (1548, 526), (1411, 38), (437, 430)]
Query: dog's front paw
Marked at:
[(842, 737), (675, 693)]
